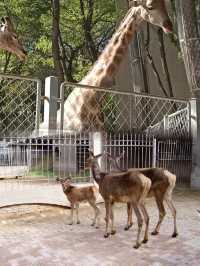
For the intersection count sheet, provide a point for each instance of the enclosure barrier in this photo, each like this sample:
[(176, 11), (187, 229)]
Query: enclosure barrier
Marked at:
[(125, 111), (19, 105), (46, 158)]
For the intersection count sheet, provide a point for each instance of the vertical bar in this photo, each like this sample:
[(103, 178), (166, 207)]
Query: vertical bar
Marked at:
[(38, 107), (154, 152), (62, 106)]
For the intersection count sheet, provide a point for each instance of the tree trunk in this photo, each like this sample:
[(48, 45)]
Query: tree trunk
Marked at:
[(164, 61), (190, 41), (55, 39)]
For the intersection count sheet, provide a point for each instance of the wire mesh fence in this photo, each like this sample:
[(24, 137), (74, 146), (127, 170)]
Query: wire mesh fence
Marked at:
[(188, 18), (174, 125), (115, 111), (18, 105)]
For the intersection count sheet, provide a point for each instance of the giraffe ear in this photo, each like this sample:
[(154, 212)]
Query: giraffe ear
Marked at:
[(3, 20), (7, 23)]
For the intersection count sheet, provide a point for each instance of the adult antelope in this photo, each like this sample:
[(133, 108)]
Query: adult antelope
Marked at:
[(130, 186), (9, 40), (163, 183)]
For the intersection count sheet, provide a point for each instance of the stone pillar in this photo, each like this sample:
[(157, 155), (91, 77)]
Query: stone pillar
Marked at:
[(50, 105), (195, 131), (97, 143)]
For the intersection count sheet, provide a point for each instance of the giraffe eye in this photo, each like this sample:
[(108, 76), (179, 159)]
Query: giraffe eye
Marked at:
[(150, 7), (15, 36)]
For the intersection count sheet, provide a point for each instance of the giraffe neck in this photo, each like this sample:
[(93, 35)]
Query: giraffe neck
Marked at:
[(2, 41), (106, 67)]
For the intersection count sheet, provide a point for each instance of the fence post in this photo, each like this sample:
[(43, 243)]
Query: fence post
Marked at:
[(195, 132), (154, 152), (50, 104), (38, 106), (166, 126), (97, 141)]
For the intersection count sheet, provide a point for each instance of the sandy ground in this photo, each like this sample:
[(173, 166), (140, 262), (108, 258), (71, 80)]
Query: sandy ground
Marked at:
[(39, 235)]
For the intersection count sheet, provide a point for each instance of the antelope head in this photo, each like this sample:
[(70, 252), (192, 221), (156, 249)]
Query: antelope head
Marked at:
[(65, 182), (92, 159), (9, 40)]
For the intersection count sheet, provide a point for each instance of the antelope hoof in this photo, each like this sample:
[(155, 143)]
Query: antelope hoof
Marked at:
[(106, 235), (92, 224), (175, 234), (145, 241), (78, 222), (136, 246), (126, 228), (97, 227), (70, 223), (113, 232), (154, 233)]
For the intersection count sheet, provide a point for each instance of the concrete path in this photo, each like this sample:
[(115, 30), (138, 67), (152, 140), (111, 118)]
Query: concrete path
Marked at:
[(41, 236), (18, 191)]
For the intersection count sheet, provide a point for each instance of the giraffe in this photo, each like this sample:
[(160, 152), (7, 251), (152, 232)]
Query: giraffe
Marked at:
[(9, 40), (81, 107)]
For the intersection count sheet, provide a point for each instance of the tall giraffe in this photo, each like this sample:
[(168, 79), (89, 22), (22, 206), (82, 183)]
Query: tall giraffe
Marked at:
[(80, 108), (9, 40)]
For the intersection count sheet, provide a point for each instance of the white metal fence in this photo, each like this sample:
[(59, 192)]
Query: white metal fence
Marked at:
[(48, 157), (176, 125)]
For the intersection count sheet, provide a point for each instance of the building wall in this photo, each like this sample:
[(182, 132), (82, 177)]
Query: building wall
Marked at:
[(130, 76)]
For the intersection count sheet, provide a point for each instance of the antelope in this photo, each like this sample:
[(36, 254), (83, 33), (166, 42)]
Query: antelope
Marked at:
[(9, 40), (130, 186), (163, 183), (75, 195)]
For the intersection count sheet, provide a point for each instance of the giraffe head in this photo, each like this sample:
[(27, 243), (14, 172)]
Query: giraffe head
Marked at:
[(155, 12), (9, 40)]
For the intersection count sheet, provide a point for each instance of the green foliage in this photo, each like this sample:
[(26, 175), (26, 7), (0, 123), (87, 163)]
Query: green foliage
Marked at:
[(33, 22)]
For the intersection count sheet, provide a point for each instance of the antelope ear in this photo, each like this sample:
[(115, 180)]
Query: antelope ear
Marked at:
[(91, 153), (98, 155), (8, 24), (108, 154), (57, 179)]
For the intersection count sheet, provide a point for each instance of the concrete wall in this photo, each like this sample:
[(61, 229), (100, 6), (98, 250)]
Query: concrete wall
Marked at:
[(130, 77)]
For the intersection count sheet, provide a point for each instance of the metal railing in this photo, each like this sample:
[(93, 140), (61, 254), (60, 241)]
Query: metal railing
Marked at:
[(46, 158), (19, 105), (177, 124)]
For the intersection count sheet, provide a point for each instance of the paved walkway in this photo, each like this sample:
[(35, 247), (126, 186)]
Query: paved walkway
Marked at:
[(19, 191), (41, 236)]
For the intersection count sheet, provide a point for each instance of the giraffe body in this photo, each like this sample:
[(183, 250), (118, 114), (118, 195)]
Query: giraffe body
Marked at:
[(81, 109)]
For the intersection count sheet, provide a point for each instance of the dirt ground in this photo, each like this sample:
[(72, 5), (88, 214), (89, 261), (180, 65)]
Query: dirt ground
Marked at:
[(39, 235)]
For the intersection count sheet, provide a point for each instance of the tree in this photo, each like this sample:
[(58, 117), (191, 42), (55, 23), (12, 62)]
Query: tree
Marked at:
[(80, 31)]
